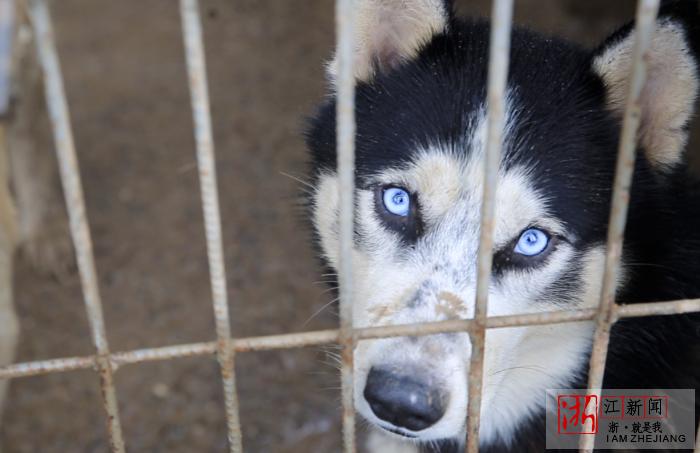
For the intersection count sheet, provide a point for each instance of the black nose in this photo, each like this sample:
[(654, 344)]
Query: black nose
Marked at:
[(404, 400)]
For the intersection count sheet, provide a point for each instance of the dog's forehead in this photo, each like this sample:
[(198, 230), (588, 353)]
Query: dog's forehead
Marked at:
[(449, 187), (560, 138)]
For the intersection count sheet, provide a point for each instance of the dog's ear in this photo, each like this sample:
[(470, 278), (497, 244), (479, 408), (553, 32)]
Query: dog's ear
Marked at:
[(668, 96), (388, 32)]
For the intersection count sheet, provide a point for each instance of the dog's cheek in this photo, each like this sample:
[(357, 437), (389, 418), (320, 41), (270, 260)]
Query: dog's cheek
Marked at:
[(325, 216)]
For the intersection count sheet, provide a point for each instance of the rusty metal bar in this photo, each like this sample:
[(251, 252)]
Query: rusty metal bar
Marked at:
[(163, 353), (284, 341), (647, 11), (43, 367), (499, 56), (80, 232), (196, 68), (345, 145), (320, 337), (675, 307)]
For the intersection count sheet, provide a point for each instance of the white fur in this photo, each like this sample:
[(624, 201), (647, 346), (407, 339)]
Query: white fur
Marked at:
[(381, 441)]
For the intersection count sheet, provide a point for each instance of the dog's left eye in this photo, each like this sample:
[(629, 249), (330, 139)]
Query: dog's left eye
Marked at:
[(532, 242), (397, 201), (398, 210)]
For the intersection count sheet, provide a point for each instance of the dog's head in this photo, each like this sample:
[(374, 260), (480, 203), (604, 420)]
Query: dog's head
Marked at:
[(421, 130)]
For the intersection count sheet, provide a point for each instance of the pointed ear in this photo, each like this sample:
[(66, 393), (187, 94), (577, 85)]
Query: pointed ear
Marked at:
[(388, 32), (668, 96)]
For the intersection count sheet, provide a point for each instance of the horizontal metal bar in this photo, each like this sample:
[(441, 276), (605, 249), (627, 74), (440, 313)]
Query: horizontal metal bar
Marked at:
[(41, 367), (467, 325), (286, 341), (321, 337), (675, 307), (164, 353)]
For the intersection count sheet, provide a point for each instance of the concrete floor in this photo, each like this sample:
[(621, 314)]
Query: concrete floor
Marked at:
[(124, 69)]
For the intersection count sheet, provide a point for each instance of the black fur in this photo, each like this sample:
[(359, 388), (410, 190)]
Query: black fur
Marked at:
[(567, 136)]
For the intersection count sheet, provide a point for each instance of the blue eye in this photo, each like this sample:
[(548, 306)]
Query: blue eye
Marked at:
[(532, 242), (397, 201)]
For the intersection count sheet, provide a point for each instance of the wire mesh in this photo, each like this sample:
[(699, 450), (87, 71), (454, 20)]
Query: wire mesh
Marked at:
[(225, 347), (321, 337)]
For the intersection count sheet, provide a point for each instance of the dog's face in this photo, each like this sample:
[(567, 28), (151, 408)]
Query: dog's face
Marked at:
[(421, 133)]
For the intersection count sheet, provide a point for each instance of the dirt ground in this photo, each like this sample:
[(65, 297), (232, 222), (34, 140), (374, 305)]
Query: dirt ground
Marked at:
[(125, 76)]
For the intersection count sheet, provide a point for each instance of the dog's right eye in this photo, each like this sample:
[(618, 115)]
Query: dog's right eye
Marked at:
[(397, 201), (532, 242)]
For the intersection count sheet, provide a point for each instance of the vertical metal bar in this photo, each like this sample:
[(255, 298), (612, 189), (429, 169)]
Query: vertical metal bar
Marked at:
[(647, 11), (72, 188), (697, 438), (499, 57), (196, 68), (7, 32), (345, 120)]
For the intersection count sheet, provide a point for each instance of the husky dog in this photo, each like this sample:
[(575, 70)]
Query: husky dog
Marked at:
[(421, 128)]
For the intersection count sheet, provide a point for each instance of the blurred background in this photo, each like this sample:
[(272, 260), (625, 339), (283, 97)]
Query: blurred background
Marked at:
[(124, 70)]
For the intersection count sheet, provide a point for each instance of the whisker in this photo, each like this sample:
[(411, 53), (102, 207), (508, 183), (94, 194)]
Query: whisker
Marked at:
[(524, 367), (317, 312), (299, 180), (331, 289)]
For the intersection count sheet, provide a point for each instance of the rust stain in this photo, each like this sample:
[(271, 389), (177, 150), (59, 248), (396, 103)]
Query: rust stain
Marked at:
[(449, 305), (382, 312)]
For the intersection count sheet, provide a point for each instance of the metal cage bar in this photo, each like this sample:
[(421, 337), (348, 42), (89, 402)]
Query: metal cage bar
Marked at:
[(321, 337), (345, 144), (225, 347), (7, 32), (499, 58), (80, 232), (196, 68), (645, 23)]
